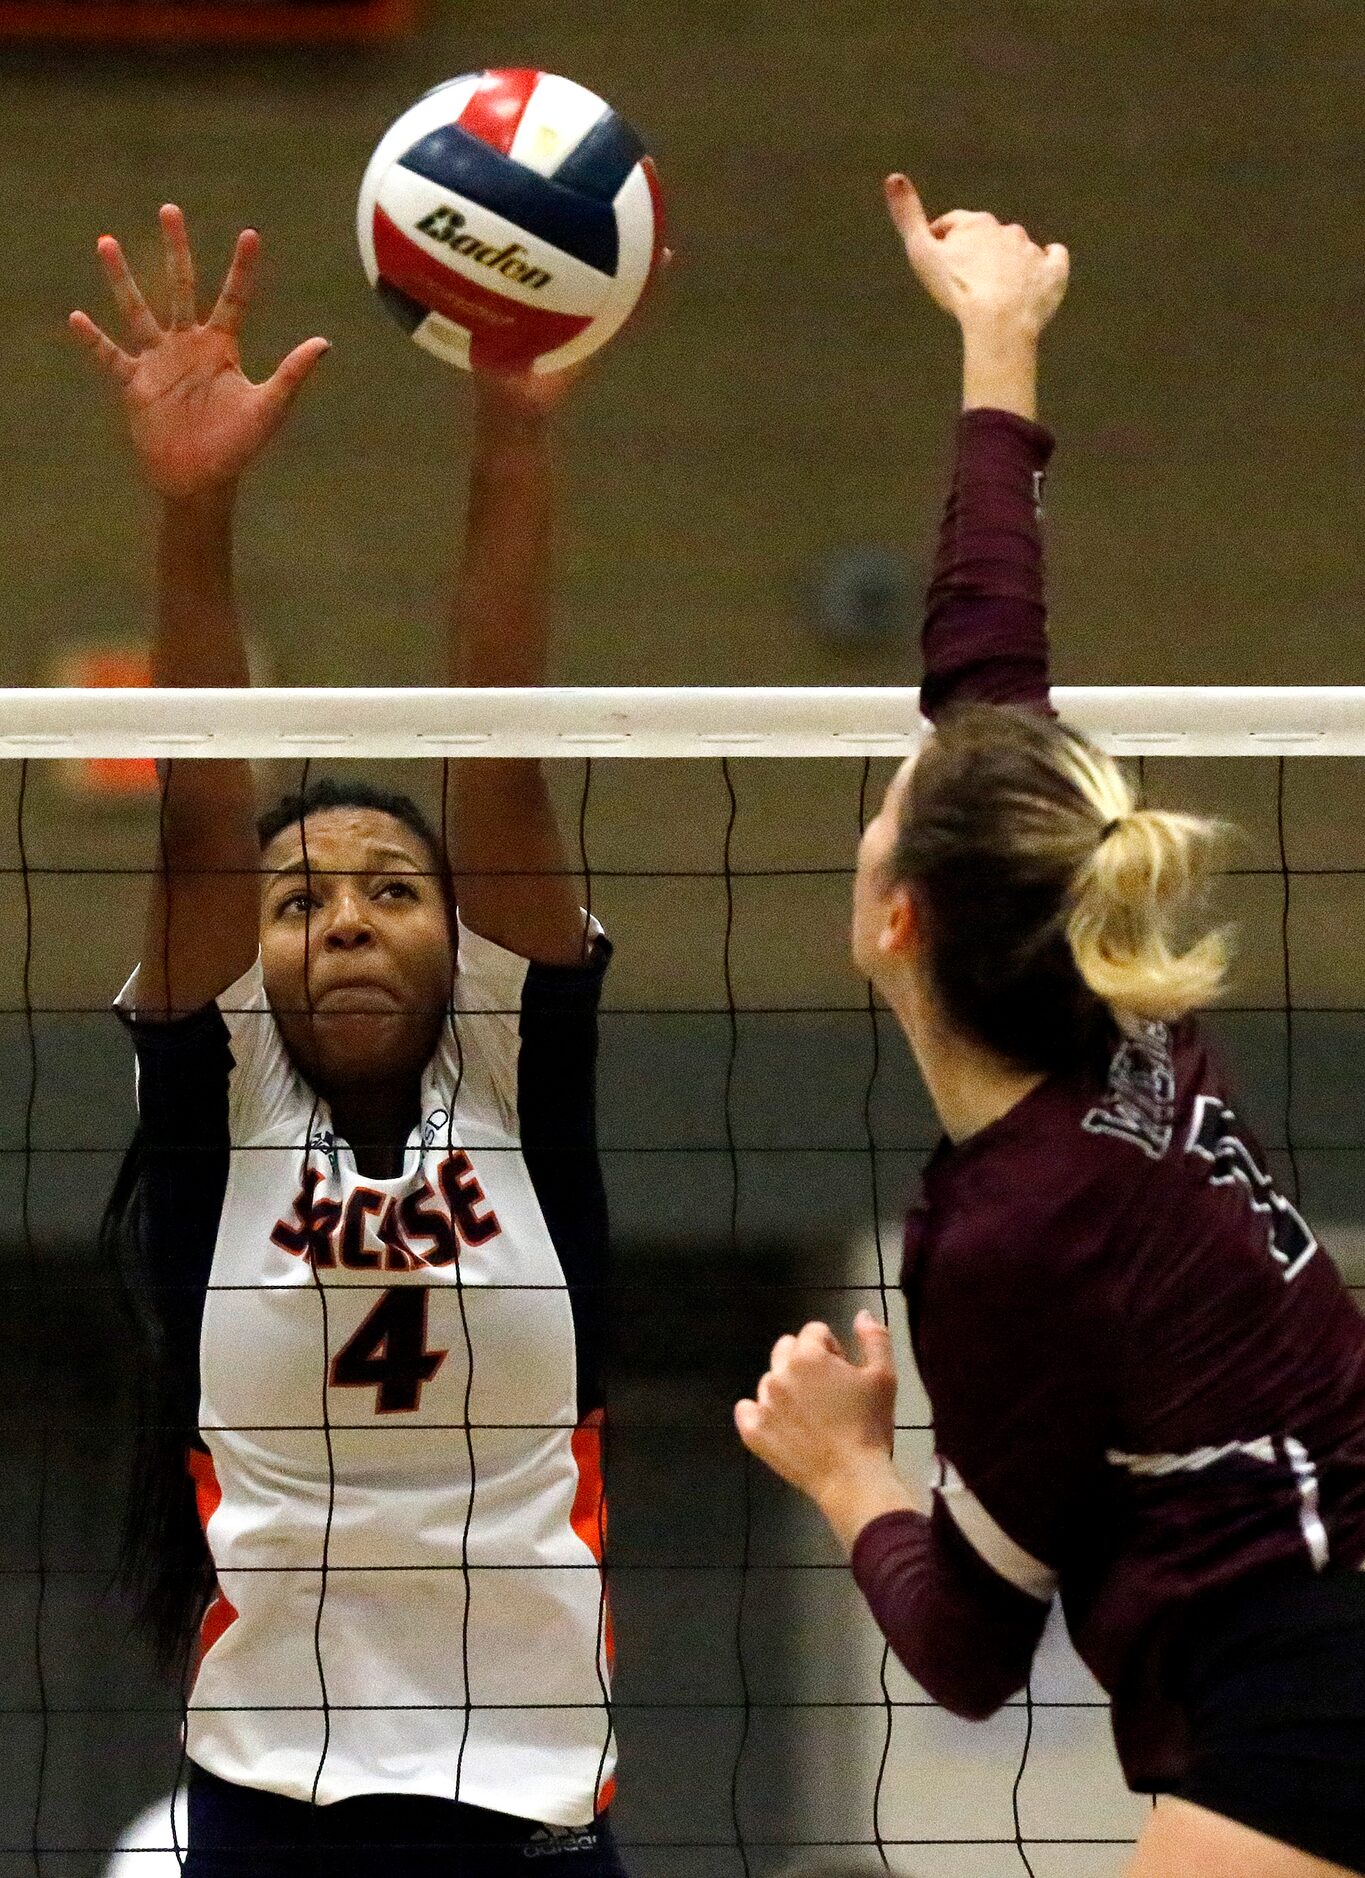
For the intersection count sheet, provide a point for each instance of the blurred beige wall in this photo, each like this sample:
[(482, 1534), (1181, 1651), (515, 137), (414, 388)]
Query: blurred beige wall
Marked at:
[(1205, 162)]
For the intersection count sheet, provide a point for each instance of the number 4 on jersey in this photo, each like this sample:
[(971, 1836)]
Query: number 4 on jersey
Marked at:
[(389, 1352), (1216, 1138)]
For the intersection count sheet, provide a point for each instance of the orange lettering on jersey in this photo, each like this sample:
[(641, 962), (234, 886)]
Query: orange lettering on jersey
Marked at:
[(464, 1196), (322, 1233), (418, 1220), (363, 1206), (309, 1234), (398, 1254)]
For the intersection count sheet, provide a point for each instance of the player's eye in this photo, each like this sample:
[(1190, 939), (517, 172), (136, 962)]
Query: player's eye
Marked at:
[(396, 890), (297, 905)]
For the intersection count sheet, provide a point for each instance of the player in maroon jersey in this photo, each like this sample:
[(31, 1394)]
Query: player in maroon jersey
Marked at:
[(1147, 1379)]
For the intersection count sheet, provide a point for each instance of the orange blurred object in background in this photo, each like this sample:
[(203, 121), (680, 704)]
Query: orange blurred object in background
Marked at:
[(123, 778), (219, 22)]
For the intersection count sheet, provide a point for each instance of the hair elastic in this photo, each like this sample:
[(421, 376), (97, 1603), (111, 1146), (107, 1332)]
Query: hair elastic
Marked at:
[(1111, 828)]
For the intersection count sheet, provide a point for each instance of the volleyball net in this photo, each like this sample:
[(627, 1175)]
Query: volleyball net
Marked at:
[(761, 1130)]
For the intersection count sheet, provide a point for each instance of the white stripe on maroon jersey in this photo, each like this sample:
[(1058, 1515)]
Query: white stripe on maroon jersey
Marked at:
[(990, 1541), (1310, 1512), (1152, 1466)]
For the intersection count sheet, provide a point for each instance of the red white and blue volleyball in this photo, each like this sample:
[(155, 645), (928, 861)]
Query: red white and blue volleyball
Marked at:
[(511, 221)]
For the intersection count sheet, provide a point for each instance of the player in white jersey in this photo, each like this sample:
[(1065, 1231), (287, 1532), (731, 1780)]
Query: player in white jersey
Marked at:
[(368, 1213)]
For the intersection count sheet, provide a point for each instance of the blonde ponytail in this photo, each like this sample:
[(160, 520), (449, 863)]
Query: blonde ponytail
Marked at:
[(1135, 898), (1052, 904)]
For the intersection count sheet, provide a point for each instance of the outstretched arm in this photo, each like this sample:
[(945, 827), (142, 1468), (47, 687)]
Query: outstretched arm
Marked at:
[(964, 1617), (985, 629), (511, 871), (196, 423)]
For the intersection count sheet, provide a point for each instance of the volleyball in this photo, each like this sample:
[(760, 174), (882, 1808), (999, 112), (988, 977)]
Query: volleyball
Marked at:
[(510, 221)]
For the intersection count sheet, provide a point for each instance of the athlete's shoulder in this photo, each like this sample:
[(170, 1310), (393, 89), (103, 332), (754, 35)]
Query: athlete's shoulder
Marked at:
[(1132, 1111), (1067, 1177)]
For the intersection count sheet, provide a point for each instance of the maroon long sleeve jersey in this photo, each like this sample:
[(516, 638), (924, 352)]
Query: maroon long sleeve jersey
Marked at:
[(1147, 1379)]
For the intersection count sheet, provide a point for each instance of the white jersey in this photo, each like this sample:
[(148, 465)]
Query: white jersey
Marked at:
[(399, 1406)]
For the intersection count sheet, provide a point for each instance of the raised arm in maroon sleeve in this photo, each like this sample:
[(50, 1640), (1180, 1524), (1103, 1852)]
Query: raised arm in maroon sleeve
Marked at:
[(961, 1599), (965, 1632), (985, 624)]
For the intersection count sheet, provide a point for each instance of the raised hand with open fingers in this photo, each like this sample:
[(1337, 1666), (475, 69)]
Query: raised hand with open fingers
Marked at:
[(196, 421), (976, 268)]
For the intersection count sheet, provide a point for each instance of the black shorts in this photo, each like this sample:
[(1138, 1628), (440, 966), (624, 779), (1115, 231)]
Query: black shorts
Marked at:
[(241, 1832), (1273, 1684)]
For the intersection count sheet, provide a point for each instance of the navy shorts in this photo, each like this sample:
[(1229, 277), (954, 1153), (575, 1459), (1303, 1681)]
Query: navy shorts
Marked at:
[(1273, 1686), (241, 1832)]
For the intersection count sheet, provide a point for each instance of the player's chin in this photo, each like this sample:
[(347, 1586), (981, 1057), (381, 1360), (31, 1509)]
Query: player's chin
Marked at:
[(353, 1046)]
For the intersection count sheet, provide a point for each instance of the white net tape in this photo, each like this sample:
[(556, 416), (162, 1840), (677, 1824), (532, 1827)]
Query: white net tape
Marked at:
[(285, 721)]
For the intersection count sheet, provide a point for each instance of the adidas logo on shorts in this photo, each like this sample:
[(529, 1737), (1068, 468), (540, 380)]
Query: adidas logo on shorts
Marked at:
[(550, 1841)]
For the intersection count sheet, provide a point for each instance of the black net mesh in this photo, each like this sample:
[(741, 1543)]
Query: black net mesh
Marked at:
[(760, 1128)]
